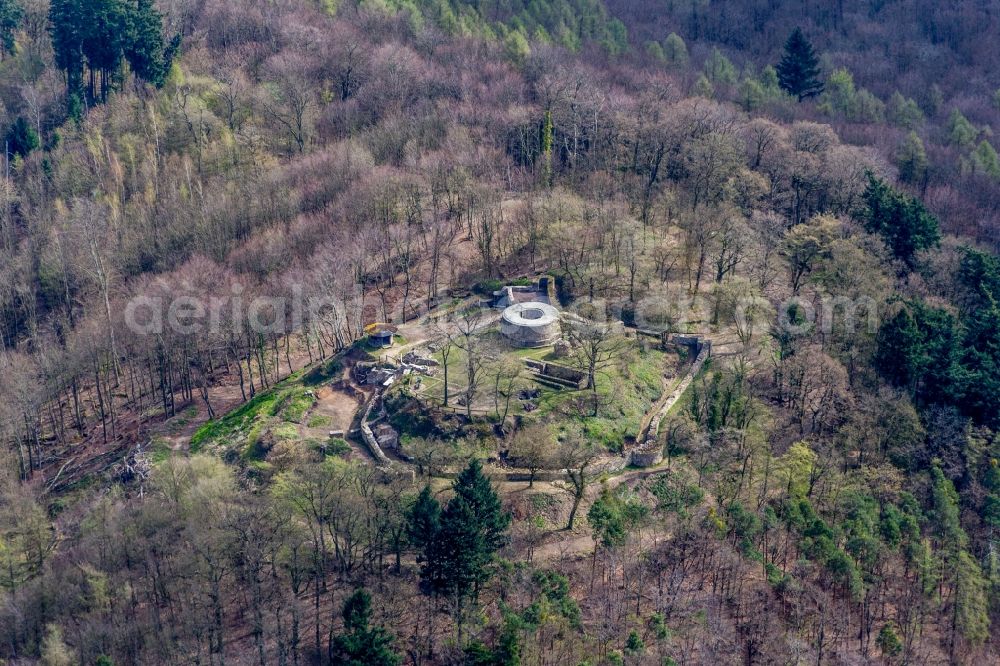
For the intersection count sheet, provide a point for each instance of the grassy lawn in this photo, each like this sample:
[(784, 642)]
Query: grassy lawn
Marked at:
[(626, 391), (319, 421), (296, 406), (234, 426), (277, 410), (539, 354), (432, 388)]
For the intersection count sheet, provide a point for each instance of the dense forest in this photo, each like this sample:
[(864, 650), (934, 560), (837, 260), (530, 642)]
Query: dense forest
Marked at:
[(811, 187)]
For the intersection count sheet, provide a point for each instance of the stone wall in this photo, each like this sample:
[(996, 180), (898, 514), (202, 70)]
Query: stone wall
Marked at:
[(369, 437), (608, 466), (562, 374), (646, 457), (529, 337), (675, 395)]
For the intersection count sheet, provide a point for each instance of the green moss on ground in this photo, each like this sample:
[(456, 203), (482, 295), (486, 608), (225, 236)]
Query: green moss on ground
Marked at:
[(297, 404), (290, 400), (323, 372), (319, 421), (236, 424), (159, 450)]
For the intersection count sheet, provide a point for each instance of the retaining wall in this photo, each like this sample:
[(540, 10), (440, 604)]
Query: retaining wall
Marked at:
[(646, 457), (675, 395), (369, 437)]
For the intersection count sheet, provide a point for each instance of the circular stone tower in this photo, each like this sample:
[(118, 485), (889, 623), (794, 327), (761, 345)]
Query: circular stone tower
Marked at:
[(531, 324)]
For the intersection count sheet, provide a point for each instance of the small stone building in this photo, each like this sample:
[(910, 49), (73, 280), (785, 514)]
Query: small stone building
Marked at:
[(381, 335)]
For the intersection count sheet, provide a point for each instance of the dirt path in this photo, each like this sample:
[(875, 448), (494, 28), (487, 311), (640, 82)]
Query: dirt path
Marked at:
[(334, 410), (418, 332), (575, 547)]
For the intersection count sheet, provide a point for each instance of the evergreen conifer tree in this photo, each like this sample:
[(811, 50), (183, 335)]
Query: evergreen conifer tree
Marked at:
[(67, 27), (422, 520), (798, 71), (970, 613), (457, 558), (96, 37), (10, 19), (675, 50), (905, 224), (473, 486), (470, 531), (911, 158), (888, 641), (21, 138), (146, 52), (362, 644)]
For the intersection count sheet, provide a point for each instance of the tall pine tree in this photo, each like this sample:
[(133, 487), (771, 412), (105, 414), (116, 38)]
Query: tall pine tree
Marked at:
[(21, 138), (10, 19), (970, 617), (93, 39), (459, 556), (917, 349), (68, 27), (905, 224), (798, 71), (422, 520), (473, 486), (149, 58), (362, 644)]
